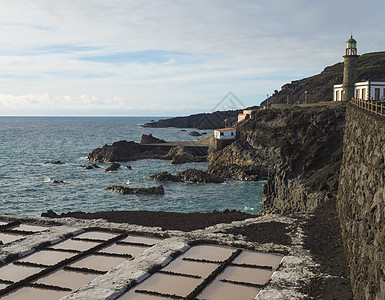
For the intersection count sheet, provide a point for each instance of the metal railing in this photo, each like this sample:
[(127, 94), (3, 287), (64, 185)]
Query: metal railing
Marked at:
[(372, 106)]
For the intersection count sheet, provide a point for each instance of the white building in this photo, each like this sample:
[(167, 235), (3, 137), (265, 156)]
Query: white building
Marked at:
[(363, 90), (225, 133)]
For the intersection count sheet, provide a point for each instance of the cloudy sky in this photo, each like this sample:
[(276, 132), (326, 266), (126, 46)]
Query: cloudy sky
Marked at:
[(169, 57)]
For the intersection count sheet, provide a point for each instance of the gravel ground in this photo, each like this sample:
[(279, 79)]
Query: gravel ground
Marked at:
[(323, 239), (166, 220)]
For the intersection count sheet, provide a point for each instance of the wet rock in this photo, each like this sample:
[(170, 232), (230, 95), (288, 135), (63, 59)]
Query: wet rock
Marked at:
[(49, 214), (150, 139), (125, 151), (194, 133), (57, 181), (190, 175), (165, 176), (56, 162), (90, 167), (238, 161), (199, 176), (113, 167), (118, 151), (182, 155), (156, 190)]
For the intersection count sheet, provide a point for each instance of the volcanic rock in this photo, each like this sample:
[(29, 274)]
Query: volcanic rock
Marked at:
[(56, 162), (239, 161), (194, 133), (125, 151), (90, 167), (150, 139), (49, 214), (156, 190), (57, 181), (190, 175), (165, 176), (118, 151), (199, 176), (182, 155), (113, 167)]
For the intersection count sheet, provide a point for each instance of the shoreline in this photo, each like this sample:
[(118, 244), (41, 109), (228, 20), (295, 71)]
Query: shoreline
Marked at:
[(188, 221)]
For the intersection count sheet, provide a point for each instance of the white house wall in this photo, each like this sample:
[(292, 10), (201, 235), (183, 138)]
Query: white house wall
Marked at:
[(227, 134), (377, 85), (337, 92), (362, 90)]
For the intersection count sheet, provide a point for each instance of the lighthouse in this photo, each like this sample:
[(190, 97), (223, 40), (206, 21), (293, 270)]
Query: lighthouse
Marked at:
[(350, 69)]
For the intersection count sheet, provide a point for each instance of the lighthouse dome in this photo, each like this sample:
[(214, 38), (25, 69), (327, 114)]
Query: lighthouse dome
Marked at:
[(351, 43)]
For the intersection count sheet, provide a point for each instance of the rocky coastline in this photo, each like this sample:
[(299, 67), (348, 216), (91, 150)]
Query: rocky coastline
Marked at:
[(155, 190), (190, 175), (298, 150), (124, 151)]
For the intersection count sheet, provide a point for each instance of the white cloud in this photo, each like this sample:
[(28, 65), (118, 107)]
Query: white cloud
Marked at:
[(167, 55)]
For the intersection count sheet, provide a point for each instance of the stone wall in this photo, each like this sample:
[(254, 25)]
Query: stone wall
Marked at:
[(361, 202)]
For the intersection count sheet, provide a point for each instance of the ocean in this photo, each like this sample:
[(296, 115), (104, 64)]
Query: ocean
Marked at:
[(26, 181)]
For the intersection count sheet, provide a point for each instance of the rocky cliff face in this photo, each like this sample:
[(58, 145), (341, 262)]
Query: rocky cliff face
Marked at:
[(310, 143), (239, 161), (299, 149), (361, 202)]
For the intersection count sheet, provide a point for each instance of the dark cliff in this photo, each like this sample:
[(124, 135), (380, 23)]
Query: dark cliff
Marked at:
[(299, 148)]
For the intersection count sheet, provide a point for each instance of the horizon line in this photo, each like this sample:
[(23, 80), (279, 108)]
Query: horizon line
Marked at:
[(81, 116)]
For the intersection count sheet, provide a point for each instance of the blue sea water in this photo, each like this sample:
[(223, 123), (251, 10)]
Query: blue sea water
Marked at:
[(26, 182)]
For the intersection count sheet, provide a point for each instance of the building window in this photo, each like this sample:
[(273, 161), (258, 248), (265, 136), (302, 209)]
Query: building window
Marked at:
[(222, 134), (358, 94), (363, 94), (376, 94), (232, 133)]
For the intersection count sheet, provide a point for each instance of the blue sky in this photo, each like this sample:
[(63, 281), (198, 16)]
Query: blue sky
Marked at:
[(166, 58)]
